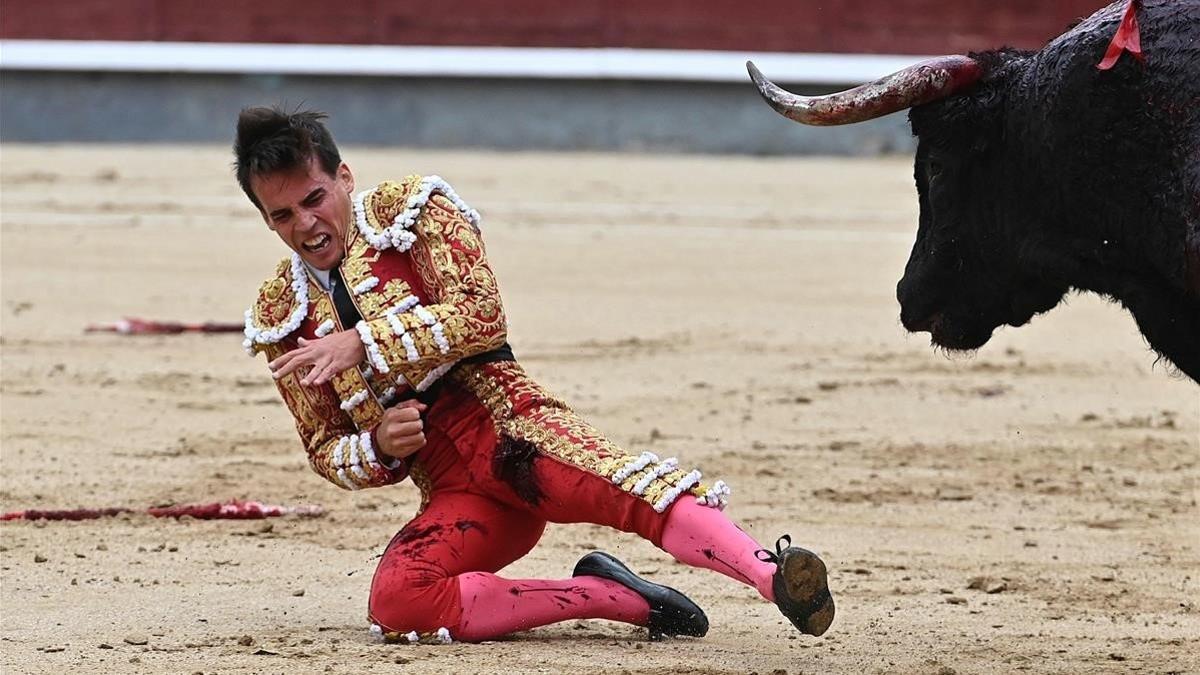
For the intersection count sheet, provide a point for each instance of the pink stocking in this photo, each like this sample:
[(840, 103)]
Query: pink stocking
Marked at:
[(493, 606), (702, 536)]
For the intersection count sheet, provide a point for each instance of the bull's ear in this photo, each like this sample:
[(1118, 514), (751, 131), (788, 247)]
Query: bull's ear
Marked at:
[(976, 119), (956, 118), (990, 106), (976, 109)]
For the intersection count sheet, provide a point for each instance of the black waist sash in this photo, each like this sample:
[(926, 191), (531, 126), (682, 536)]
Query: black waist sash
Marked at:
[(501, 353)]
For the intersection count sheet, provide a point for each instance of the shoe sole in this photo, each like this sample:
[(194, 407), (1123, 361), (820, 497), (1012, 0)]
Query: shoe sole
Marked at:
[(807, 581)]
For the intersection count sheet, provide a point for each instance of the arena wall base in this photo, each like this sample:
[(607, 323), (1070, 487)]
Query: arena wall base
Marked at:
[(505, 114)]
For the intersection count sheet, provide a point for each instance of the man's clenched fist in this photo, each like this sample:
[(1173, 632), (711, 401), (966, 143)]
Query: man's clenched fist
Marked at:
[(402, 432)]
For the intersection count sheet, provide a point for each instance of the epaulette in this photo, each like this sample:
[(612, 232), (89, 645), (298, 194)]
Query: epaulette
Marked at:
[(280, 308), (386, 213)]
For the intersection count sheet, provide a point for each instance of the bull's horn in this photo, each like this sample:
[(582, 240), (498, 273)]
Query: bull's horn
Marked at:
[(919, 83)]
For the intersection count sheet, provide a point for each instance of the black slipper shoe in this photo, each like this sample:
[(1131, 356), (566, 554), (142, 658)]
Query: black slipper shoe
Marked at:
[(671, 612), (801, 586)]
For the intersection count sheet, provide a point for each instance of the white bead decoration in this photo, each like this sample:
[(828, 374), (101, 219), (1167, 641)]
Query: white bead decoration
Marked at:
[(405, 305), (424, 315), (661, 469), (439, 334), (439, 337), (398, 235), (357, 398), (434, 375), (337, 451), (682, 486), (634, 466), (361, 460), (366, 285), (350, 485), (410, 348), (374, 355)]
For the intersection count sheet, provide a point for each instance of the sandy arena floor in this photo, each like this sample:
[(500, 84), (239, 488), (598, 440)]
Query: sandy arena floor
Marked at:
[(1031, 507)]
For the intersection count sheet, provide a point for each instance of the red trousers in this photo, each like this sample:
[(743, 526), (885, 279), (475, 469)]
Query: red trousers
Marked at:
[(475, 521)]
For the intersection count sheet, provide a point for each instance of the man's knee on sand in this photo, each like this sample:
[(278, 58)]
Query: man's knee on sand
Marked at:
[(416, 585), (414, 595)]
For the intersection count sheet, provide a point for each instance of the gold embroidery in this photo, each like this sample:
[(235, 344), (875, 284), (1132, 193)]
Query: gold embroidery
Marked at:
[(449, 257), (369, 412), (556, 430), (321, 425), (316, 411), (387, 200), (356, 267), (322, 308), (276, 300), (274, 288)]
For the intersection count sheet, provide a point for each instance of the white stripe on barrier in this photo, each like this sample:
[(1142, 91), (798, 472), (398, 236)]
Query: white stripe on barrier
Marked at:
[(414, 61)]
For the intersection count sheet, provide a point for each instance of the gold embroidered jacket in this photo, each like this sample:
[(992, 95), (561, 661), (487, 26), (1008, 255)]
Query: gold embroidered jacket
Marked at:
[(418, 275)]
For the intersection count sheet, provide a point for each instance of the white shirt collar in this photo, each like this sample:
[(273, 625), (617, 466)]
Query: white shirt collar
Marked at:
[(322, 276)]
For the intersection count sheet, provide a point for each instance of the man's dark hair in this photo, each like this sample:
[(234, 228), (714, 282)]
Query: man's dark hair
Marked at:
[(270, 140)]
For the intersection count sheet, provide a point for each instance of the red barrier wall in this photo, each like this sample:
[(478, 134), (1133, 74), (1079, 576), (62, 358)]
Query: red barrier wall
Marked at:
[(847, 26)]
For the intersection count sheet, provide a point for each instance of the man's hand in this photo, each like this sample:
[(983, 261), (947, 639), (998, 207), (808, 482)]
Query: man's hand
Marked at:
[(402, 432), (326, 356)]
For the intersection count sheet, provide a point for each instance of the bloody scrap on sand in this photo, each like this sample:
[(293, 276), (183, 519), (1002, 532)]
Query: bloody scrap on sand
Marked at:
[(235, 509)]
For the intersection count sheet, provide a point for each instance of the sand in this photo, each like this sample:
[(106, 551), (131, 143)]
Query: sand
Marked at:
[(1029, 507)]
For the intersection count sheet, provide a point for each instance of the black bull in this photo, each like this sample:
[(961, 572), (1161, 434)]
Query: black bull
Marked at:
[(1039, 173)]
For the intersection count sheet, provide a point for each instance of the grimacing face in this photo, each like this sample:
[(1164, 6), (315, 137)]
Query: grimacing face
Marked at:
[(309, 209)]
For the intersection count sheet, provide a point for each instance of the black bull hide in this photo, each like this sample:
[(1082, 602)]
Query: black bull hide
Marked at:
[(1049, 175)]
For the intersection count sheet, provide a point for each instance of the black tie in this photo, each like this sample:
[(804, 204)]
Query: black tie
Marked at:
[(346, 311)]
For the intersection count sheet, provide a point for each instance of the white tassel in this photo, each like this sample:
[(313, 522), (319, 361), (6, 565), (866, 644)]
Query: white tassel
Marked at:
[(357, 398), (434, 375), (717, 496), (671, 495)]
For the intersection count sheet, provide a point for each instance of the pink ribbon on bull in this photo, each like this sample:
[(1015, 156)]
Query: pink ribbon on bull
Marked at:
[(1127, 39)]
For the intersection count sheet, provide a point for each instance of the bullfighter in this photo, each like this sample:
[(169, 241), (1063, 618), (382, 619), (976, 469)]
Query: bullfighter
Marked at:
[(386, 337)]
